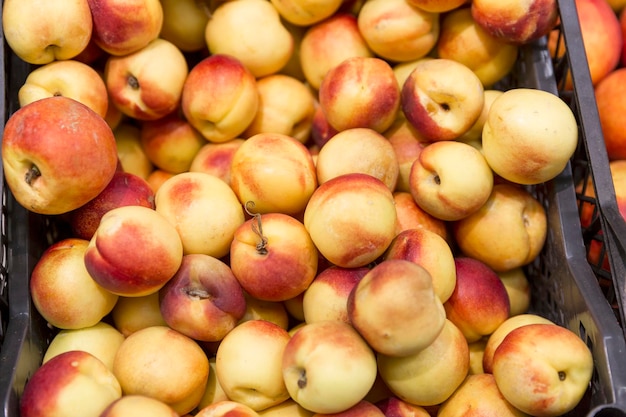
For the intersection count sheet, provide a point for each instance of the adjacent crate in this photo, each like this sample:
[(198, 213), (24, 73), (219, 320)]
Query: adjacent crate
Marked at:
[(605, 236), (564, 286)]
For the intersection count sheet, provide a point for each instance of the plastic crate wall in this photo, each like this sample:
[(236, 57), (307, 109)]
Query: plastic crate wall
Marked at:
[(606, 233), (24, 236), (564, 287), (4, 291)]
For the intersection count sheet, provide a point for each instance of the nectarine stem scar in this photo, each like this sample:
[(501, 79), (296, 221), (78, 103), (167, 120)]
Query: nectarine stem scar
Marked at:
[(562, 376), (32, 174), (197, 293), (302, 379), (257, 229), (133, 82)]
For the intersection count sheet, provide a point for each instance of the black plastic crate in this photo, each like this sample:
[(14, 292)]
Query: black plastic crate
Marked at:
[(24, 236), (4, 292), (607, 231), (564, 286)]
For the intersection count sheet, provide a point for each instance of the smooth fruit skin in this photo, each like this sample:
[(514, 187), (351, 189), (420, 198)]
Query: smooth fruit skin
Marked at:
[(131, 155), (328, 367), (184, 22), (432, 252), (220, 97), (517, 286), (480, 394), (121, 27), (147, 84), (138, 405), (244, 30), (601, 29), (360, 92), (363, 408), (135, 313), (358, 150), (226, 408), (397, 31), (203, 209), (134, 251), (306, 12), (513, 21), (394, 406), (287, 105), (525, 221), (463, 40), (101, 340), (286, 409), (351, 219), (622, 23), (479, 302), (395, 308), (72, 383), (543, 369), (450, 180), (164, 364), (30, 27), (248, 364), (203, 300), (412, 216), (274, 171), (320, 50), (494, 340), (442, 98), (216, 158), (610, 95), (70, 78), (57, 154), (431, 375), (327, 296), (63, 291), (437, 6), (124, 189), (407, 144), (529, 135), (284, 264)]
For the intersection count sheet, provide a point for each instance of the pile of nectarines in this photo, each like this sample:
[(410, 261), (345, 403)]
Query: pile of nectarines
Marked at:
[(289, 207)]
